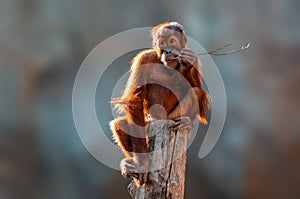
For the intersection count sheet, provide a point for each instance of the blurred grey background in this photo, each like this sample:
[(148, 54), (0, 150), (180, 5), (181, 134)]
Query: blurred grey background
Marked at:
[(42, 44)]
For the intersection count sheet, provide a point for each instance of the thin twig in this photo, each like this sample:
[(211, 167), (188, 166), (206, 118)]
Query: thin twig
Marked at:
[(214, 52), (244, 47)]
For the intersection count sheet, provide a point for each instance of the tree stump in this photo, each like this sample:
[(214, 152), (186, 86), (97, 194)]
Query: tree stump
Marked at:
[(167, 163)]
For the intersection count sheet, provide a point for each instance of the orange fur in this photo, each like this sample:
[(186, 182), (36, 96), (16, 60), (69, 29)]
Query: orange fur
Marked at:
[(139, 96)]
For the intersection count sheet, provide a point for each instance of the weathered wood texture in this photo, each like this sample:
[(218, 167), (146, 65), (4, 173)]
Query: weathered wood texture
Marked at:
[(167, 164)]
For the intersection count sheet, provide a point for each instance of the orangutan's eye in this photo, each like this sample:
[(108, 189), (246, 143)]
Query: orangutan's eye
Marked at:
[(173, 41), (162, 43)]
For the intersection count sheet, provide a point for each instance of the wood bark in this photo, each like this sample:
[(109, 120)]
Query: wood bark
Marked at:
[(167, 163)]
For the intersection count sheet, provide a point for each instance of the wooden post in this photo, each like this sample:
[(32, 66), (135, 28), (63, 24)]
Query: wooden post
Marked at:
[(167, 163)]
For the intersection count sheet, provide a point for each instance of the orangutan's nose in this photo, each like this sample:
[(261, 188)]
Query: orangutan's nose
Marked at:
[(168, 52)]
